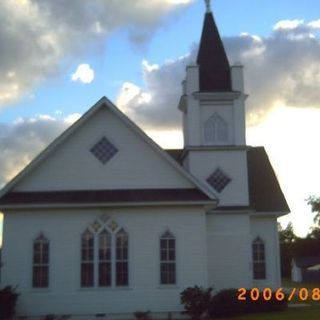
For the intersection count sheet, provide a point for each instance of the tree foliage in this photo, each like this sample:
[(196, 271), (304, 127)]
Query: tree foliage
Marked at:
[(292, 246), (314, 202)]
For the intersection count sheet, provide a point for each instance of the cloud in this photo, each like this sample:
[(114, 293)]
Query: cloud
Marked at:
[(22, 140), (155, 105), (39, 36), (288, 24), (281, 69), (84, 74)]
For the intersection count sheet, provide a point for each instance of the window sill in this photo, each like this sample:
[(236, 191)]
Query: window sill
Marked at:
[(40, 290), (124, 288), (168, 286)]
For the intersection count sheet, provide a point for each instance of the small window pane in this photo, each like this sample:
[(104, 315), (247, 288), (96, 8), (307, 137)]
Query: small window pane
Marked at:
[(87, 274), (40, 276), (163, 255), (122, 273), (172, 255), (104, 274), (171, 243)]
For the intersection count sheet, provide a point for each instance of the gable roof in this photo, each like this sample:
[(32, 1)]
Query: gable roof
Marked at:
[(214, 69), (264, 190), (102, 103), (265, 194)]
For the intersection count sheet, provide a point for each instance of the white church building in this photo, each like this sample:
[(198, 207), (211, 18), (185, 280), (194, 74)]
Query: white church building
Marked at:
[(106, 222)]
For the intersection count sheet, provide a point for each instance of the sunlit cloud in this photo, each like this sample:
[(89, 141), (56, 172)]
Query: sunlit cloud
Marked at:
[(84, 74), (288, 24)]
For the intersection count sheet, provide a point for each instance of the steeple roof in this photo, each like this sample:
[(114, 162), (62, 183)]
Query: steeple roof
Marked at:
[(214, 69)]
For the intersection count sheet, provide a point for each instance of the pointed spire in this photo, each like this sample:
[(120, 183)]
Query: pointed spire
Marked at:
[(214, 69), (208, 5)]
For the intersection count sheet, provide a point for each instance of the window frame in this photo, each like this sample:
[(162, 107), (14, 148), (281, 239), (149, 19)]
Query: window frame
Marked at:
[(259, 268), (88, 261), (43, 264), (112, 230), (216, 130), (166, 261), (123, 261)]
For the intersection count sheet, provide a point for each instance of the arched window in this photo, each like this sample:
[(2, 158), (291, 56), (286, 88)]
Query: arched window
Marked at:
[(122, 258), (258, 258), (216, 130), (40, 272), (104, 259), (167, 258), (87, 259)]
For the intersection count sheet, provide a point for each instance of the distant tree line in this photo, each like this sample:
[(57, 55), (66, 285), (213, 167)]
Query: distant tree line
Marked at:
[(294, 246)]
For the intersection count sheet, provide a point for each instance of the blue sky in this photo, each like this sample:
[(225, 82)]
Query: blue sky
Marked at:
[(138, 55)]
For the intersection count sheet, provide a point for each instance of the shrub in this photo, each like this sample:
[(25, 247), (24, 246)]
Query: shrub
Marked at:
[(143, 315), (196, 301), (8, 300), (226, 304)]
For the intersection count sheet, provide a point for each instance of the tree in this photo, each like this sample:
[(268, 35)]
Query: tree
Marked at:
[(314, 202), (287, 240), (286, 235)]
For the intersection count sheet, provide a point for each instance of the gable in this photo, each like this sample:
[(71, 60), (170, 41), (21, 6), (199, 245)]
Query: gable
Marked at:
[(73, 166)]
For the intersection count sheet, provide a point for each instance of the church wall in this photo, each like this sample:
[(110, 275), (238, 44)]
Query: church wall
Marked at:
[(233, 163), (63, 228), (72, 166), (228, 250), (265, 227)]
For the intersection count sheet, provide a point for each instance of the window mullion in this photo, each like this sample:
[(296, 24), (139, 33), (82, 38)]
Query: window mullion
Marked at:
[(113, 260)]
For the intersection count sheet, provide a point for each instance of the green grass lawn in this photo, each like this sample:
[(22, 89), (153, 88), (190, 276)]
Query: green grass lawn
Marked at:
[(288, 283), (297, 313)]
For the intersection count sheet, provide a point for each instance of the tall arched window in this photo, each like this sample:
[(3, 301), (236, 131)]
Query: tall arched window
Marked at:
[(122, 258), (216, 130), (40, 278), (167, 258), (104, 259), (87, 259), (258, 258)]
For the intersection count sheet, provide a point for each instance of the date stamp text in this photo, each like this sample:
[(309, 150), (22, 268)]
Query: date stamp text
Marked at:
[(302, 294)]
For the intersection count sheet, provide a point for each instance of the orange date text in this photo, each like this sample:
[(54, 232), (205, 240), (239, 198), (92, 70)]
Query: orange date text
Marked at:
[(302, 294)]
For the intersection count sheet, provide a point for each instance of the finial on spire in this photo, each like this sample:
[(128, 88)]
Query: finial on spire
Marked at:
[(208, 7)]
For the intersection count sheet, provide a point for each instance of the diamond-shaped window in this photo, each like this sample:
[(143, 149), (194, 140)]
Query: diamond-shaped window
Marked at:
[(218, 180), (104, 150)]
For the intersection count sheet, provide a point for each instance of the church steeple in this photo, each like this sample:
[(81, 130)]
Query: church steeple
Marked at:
[(214, 69)]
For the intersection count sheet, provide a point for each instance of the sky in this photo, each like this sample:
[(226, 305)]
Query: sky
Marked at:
[(58, 57)]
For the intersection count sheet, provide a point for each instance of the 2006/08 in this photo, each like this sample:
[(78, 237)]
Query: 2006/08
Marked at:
[(267, 294)]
